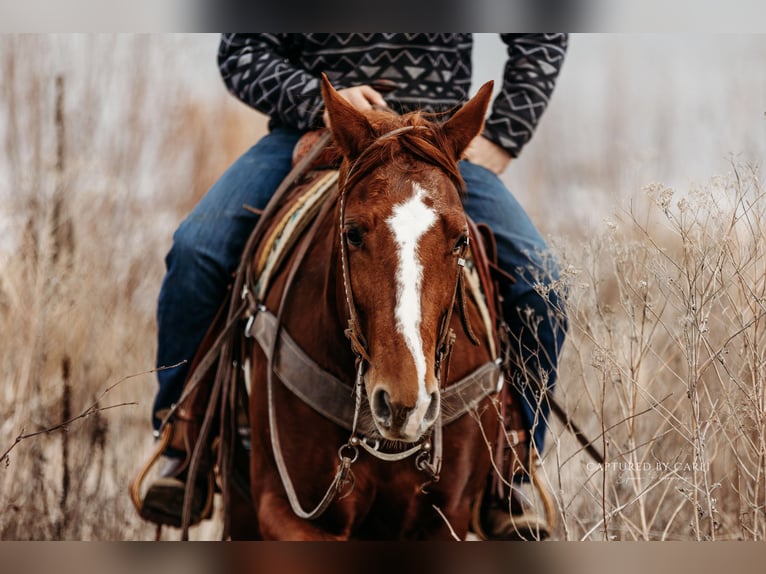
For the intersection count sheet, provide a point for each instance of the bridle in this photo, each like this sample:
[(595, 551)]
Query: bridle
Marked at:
[(354, 331), (429, 448), (445, 339)]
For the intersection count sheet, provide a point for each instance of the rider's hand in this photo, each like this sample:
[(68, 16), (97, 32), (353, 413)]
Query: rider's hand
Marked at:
[(361, 97), (488, 154)]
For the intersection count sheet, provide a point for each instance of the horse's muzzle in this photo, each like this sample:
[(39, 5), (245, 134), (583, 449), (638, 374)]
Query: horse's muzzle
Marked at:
[(397, 421)]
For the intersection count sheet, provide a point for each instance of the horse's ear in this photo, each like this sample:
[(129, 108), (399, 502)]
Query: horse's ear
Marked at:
[(468, 121), (350, 129)]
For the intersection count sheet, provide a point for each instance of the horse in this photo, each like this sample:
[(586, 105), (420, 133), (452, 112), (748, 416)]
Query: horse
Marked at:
[(372, 303)]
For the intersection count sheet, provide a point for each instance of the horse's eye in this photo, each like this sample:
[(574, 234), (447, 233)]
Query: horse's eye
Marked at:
[(354, 236), (460, 243)]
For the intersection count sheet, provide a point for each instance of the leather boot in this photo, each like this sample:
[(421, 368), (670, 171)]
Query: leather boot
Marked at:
[(513, 519), (505, 512), (164, 499)]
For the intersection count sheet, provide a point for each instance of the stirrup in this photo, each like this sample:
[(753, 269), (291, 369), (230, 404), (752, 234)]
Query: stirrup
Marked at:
[(537, 527), (164, 501), (134, 488), (170, 487)]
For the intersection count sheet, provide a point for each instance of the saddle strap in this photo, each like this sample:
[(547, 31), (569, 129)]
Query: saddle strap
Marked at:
[(484, 256), (329, 396)]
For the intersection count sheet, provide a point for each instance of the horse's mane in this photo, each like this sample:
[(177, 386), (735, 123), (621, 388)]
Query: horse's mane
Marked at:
[(428, 145)]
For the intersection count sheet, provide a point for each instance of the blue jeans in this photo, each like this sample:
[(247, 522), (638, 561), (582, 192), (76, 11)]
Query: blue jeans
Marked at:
[(534, 313), (208, 244), (206, 251)]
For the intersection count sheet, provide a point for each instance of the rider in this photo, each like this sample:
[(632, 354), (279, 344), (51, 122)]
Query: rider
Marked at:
[(278, 74)]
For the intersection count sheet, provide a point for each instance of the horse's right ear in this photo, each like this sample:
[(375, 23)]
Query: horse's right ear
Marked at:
[(468, 121), (350, 129)]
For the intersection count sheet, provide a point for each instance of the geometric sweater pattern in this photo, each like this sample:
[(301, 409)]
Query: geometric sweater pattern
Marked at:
[(278, 75)]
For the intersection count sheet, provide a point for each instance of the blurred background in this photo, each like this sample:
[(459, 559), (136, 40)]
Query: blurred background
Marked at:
[(644, 174)]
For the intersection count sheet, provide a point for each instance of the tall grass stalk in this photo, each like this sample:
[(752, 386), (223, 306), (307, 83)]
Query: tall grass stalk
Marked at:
[(666, 359)]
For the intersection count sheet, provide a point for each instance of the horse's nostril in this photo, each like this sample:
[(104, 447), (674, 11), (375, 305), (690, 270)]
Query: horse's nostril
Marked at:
[(381, 406), (433, 407)]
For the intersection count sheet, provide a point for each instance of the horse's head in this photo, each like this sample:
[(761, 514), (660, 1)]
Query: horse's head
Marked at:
[(403, 232)]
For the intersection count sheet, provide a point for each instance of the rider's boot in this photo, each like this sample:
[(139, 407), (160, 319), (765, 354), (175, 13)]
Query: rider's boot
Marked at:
[(515, 506), (516, 514), (164, 499)]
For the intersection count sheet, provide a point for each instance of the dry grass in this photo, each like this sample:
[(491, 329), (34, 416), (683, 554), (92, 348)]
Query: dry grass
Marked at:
[(665, 359), (89, 219), (665, 362)]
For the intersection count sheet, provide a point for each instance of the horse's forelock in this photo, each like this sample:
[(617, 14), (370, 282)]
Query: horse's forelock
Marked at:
[(427, 145)]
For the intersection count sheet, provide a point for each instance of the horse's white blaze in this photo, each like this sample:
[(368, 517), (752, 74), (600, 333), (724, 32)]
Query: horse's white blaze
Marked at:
[(408, 222)]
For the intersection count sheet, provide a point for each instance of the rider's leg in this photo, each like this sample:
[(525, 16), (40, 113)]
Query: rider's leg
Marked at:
[(533, 311), (539, 335), (206, 251)]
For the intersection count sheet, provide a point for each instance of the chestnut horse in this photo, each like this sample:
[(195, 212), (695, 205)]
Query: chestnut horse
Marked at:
[(368, 296)]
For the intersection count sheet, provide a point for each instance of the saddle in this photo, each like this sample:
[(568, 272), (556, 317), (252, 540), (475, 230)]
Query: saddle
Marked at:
[(216, 388)]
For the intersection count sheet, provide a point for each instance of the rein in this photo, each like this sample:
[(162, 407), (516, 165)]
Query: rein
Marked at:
[(347, 455), (239, 309)]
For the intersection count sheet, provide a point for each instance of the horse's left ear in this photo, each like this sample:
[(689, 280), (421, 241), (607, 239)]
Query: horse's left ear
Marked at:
[(350, 129), (468, 121)]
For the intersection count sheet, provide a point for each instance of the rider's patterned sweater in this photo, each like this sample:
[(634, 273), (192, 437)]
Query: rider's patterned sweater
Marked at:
[(278, 74)]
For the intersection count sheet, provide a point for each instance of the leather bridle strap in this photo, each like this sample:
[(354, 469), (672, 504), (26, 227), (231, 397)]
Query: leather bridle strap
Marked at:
[(354, 332)]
